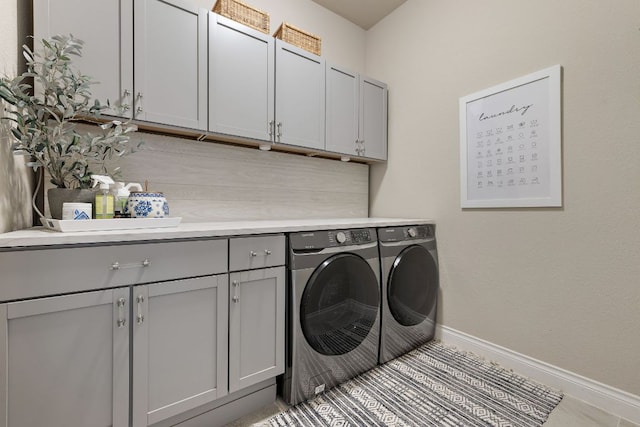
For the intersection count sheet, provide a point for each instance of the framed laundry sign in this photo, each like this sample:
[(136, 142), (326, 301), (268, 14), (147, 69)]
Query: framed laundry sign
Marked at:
[(510, 143)]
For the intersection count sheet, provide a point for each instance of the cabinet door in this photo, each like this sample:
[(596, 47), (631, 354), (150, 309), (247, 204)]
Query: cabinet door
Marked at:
[(256, 326), (373, 120), (106, 27), (241, 85), (64, 361), (300, 97), (170, 63), (179, 346), (342, 111)]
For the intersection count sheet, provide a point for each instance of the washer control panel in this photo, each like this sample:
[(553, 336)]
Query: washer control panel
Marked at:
[(350, 237), (331, 238), (396, 234)]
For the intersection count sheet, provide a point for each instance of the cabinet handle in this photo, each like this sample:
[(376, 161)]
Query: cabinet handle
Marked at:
[(271, 128), (279, 126), (140, 316), (267, 252), (117, 266), (139, 108), (122, 321), (235, 298), (126, 92), (253, 254)]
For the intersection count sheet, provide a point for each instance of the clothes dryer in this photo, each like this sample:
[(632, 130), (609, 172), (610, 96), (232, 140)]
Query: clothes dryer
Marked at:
[(333, 310), (409, 277)]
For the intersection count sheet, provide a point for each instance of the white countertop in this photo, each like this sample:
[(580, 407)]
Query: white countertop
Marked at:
[(39, 236)]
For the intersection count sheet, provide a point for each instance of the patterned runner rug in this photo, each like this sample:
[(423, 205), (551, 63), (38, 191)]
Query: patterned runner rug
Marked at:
[(434, 385)]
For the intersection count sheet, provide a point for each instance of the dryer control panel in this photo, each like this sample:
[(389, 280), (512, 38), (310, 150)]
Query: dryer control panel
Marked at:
[(332, 238), (396, 234)]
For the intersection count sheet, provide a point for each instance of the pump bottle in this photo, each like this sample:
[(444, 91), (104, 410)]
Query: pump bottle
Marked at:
[(104, 199)]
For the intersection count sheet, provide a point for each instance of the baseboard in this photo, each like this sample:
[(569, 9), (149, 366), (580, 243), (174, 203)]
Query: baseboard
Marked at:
[(613, 400)]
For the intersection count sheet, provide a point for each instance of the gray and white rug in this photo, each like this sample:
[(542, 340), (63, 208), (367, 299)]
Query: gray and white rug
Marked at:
[(434, 385)]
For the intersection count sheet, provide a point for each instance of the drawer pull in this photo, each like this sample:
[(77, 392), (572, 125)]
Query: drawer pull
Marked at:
[(254, 254), (117, 266)]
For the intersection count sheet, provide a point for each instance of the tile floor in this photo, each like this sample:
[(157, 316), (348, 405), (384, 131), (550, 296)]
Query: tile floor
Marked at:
[(571, 412)]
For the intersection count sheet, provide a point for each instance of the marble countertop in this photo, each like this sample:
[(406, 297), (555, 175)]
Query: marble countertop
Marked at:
[(40, 236)]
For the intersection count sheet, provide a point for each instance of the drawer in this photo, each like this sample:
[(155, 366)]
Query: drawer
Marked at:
[(246, 253), (41, 272)]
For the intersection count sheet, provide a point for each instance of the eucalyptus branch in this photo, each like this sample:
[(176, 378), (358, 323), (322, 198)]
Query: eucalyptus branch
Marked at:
[(42, 120)]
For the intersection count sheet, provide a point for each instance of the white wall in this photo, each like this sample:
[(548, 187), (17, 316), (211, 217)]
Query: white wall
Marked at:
[(559, 285), (15, 205)]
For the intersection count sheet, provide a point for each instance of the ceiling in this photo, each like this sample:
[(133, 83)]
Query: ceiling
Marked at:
[(363, 13)]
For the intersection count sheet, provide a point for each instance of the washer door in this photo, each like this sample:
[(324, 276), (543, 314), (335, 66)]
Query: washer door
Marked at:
[(340, 304), (412, 289)]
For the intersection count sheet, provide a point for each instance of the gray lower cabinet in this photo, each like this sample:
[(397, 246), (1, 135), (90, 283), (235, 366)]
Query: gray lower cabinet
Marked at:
[(64, 361), (256, 326), (256, 309), (151, 347), (179, 331)]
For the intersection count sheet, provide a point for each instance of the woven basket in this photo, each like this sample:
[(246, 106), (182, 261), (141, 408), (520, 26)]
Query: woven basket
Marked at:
[(297, 37), (243, 13)]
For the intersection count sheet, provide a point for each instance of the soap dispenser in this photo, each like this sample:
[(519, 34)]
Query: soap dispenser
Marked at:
[(121, 192), (104, 199)]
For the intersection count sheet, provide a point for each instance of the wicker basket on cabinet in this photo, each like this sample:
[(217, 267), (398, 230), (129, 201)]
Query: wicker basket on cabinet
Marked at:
[(297, 37), (243, 13)]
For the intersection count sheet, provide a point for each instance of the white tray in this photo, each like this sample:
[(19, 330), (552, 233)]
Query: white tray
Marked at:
[(108, 224)]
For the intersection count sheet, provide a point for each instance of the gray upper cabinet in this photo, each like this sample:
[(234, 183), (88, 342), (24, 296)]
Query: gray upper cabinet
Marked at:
[(106, 27), (300, 97), (64, 360), (373, 119), (261, 93), (342, 111), (179, 346), (170, 63), (356, 114), (169, 39), (241, 80), (174, 64)]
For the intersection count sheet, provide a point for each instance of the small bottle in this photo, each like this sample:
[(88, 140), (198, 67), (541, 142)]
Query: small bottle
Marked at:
[(120, 192), (104, 199)]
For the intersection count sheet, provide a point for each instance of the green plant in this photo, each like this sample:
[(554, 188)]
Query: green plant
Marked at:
[(44, 105)]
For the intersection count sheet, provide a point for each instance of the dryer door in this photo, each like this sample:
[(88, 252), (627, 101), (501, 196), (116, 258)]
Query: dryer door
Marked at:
[(412, 289), (340, 304)]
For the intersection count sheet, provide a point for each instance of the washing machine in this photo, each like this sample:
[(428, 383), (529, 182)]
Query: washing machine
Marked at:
[(409, 288), (333, 311)]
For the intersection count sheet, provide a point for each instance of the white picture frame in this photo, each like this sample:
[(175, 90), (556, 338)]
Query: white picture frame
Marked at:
[(510, 143)]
